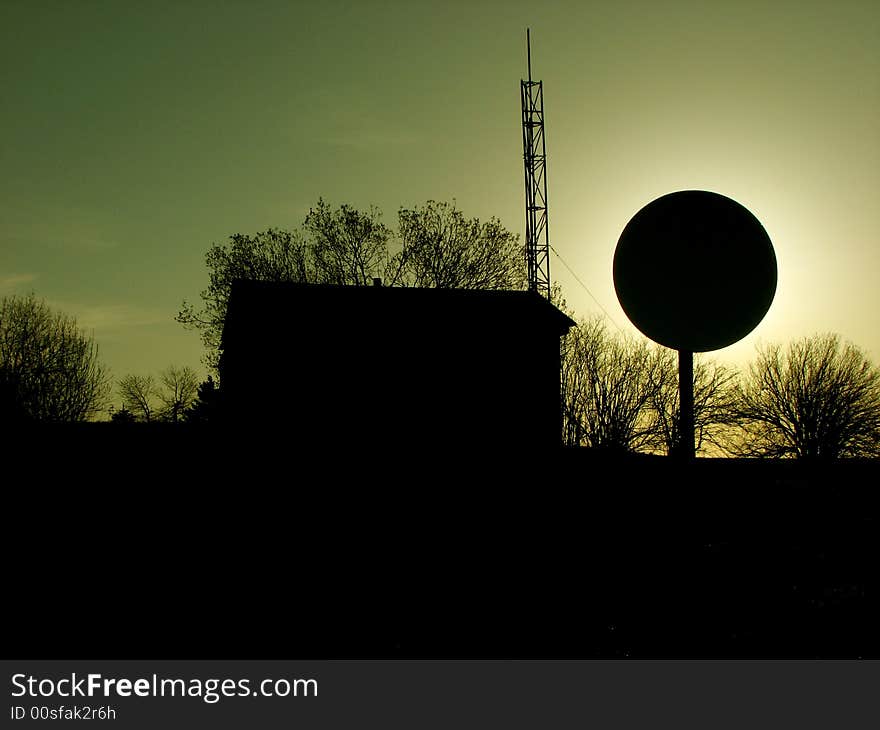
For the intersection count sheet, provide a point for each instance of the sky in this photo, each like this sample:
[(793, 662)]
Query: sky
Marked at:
[(133, 136)]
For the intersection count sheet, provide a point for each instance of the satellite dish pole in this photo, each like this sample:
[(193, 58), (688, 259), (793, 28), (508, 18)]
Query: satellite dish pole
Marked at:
[(686, 426), (535, 164)]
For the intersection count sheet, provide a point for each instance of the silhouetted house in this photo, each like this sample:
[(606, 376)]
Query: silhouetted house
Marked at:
[(372, 366)]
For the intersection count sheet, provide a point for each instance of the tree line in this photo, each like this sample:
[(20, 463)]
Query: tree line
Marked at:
[(176, 396), (434, 245), (816, 398)]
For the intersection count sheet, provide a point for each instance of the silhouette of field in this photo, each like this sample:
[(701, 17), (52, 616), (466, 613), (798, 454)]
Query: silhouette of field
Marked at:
[(169, 541)]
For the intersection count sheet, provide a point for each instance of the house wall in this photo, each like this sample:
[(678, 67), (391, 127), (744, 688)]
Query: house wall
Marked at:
[(342, 386), (396, 376)]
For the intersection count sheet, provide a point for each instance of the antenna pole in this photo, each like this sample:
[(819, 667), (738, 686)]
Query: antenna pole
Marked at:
[(529, 52), (534, 162)]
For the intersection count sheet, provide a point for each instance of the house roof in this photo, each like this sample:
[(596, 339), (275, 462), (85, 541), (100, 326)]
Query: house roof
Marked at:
[(254, 301)]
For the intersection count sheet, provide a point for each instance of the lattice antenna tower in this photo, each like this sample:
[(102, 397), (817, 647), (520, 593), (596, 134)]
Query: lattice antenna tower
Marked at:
[(535, 163)]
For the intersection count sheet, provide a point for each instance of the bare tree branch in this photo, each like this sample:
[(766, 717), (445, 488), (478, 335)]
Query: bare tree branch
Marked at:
[(49, 368), (442, 248), (438, 247), (608, 383), (181, 386), (138, 393), (817, 399)]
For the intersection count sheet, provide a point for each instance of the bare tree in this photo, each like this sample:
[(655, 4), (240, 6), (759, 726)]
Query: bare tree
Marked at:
[(49, 368), (817, 399), (715, 399), (166, 399), (437, 247), (139, 393), (574, 381), (180, 388), (442, 248), (347, 246), (608, 387)]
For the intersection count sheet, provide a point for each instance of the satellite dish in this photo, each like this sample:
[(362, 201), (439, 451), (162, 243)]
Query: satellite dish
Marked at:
[(695, 271)]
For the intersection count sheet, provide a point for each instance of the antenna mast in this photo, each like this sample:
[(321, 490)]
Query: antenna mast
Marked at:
[(535, 163)]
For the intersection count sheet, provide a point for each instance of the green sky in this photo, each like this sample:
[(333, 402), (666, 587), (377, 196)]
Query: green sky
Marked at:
[(134, 135)]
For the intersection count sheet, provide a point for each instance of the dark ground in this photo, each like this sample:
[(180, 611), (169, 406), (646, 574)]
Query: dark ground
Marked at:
[(174, 543)]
